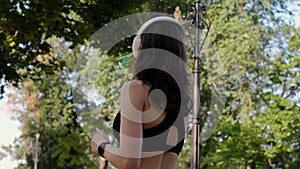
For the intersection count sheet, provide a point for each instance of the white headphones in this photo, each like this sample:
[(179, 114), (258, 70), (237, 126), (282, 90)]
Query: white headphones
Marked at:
[(137, 40)]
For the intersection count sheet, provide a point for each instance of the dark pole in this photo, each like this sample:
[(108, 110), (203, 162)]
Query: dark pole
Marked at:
[(196, 113), (36, 150)]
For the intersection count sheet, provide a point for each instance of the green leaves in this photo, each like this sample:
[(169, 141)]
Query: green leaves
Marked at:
[(260, 120), (252, 58)]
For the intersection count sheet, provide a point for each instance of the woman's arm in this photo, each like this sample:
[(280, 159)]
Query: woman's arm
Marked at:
[(112, 153), (128, 155)]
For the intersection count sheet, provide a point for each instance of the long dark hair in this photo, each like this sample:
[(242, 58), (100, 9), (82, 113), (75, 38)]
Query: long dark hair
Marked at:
[(158, 41)]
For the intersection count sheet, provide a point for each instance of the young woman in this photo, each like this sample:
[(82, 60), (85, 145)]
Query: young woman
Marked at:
[(150, 126)]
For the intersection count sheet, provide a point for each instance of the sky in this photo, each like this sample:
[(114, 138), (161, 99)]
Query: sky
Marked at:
[(294, 7), (8, 131)]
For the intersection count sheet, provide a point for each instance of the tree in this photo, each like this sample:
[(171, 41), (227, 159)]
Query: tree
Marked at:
[(40, 20), (250, 131), (252, 58), (42, 72), (47, 108)]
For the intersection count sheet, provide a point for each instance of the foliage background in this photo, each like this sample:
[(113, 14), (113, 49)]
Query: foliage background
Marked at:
[(253, 52)]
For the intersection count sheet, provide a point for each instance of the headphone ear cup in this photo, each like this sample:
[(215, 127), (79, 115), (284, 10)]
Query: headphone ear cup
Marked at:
[(136, 45)]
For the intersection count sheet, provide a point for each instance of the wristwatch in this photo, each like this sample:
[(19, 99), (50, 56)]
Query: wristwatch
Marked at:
[(101, 148)]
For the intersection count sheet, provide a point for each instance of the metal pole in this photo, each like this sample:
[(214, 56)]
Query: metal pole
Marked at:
[(196, 113), (36, 152)]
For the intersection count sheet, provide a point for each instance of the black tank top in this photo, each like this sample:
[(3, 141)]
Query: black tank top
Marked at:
[(155, 138)]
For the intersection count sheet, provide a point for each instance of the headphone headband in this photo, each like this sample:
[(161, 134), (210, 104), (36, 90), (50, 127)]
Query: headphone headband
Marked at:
[(157, 19), (137, 39)]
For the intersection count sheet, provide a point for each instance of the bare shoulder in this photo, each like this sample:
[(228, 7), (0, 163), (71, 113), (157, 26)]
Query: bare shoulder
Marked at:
[(134, 93), (136, 83), (137, 87)]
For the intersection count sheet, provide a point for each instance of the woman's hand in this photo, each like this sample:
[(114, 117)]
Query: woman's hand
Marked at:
[(130, 68), (98, 138)]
